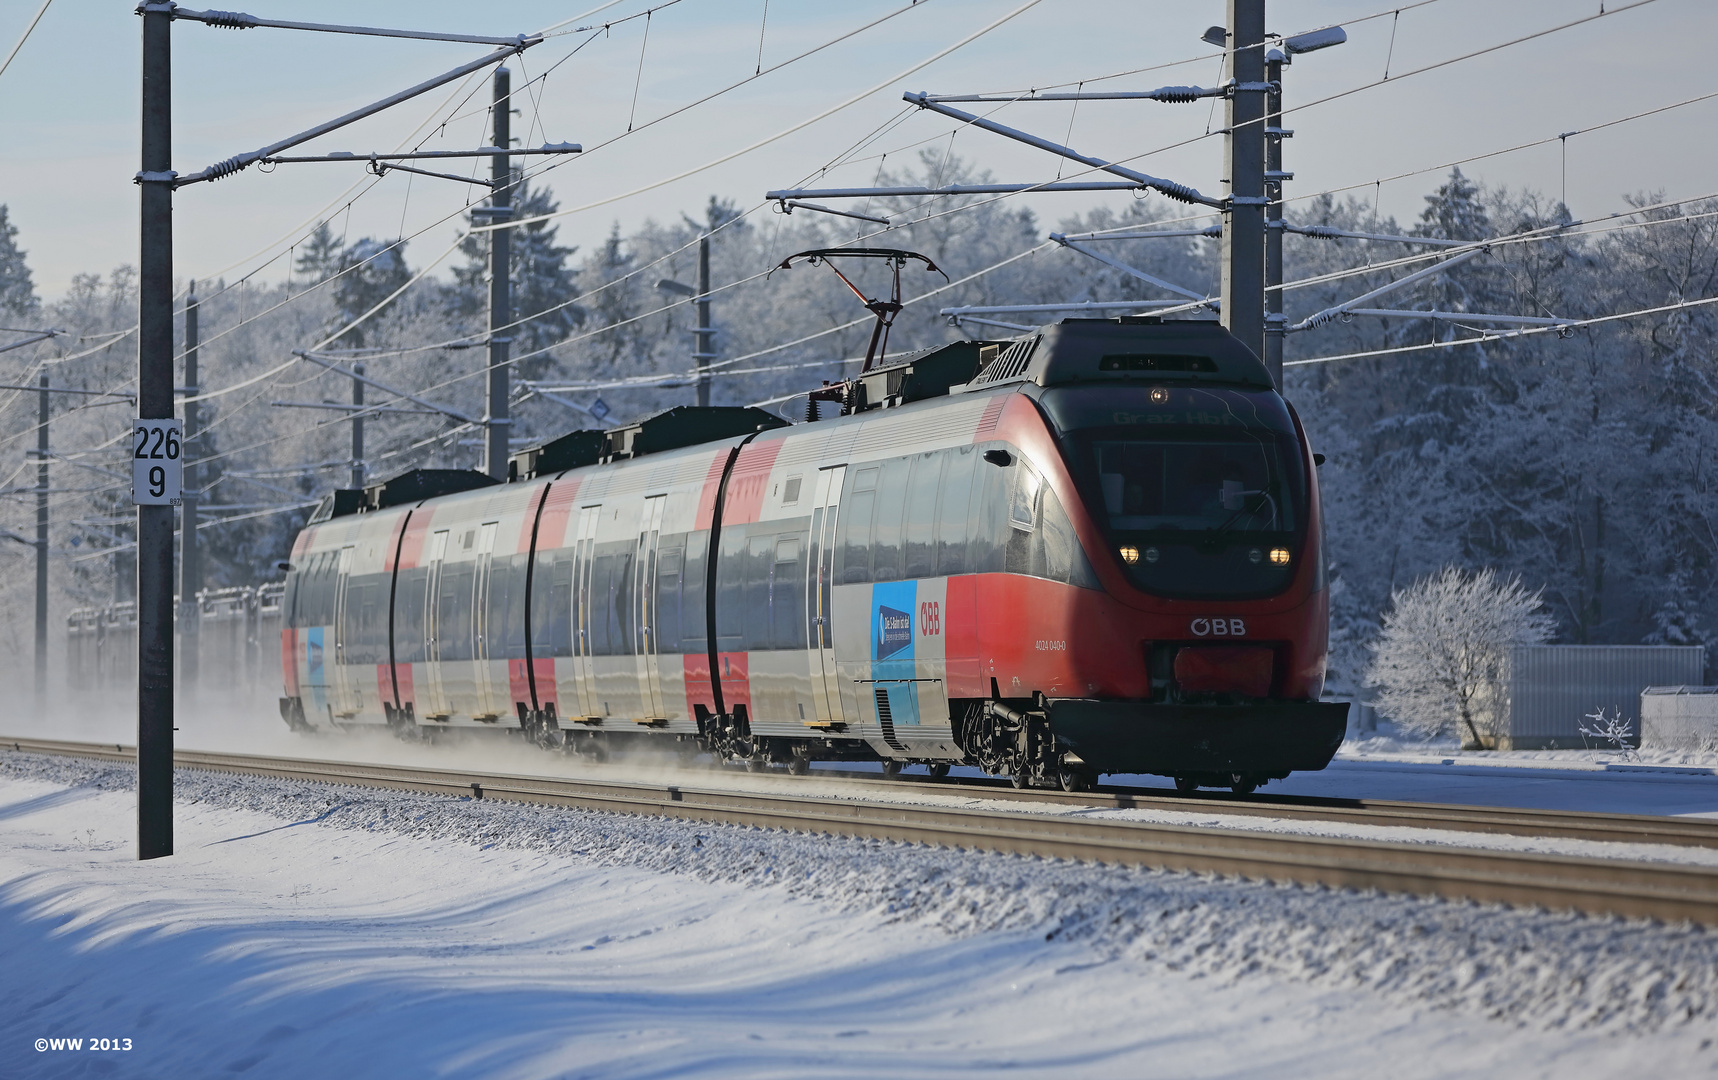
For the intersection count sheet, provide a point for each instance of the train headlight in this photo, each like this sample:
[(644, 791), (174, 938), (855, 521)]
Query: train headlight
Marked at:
[(1151, 554), (1159, 395), (1255, 555), (1129, 554), (1279, 556)]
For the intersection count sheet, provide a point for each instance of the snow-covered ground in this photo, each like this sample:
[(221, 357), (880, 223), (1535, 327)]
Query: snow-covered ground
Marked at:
[(308, 928)]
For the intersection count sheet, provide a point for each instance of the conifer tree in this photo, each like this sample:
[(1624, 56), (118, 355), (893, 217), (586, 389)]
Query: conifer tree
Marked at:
[(17, 291)]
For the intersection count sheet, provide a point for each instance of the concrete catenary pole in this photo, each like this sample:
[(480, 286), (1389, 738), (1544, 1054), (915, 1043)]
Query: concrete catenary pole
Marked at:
[(155, 402), (1243, 269), (1275, 323), (498, 424), (190, 558), (358, 427), (42, 415), (704, 338)]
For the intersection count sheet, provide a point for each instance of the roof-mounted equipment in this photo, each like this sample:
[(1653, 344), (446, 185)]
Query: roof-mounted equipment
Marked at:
[(913, 377), (685, 425), (573, 450), (1128, 349), (420, 484)]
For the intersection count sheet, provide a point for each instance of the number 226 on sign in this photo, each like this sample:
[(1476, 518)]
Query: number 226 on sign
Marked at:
[(157, 462)]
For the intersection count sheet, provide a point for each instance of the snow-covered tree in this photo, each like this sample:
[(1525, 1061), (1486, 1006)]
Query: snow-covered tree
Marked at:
[(1677, 620), (318, 257), (372, 271), (543, 283), (17, 292), (1444, 650)]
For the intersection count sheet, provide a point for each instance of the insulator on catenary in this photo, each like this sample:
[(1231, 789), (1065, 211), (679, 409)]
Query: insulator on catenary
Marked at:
[(229, 20), (226, 168), (1178, 192), (1179, 95)]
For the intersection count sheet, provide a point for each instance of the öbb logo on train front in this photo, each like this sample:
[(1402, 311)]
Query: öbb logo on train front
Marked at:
[(1231, 627)]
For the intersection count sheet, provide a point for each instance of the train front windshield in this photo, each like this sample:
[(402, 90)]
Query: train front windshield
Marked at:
[(1200, 490), (1160, 485)]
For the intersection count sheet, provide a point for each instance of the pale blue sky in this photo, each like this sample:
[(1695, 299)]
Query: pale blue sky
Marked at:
[(68, 107)]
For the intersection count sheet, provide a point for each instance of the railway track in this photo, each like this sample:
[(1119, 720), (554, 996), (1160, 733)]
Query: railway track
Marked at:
[(1594, 885)]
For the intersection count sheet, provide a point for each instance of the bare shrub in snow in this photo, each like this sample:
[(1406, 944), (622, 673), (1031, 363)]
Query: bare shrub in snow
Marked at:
[(1608, 726), (1441, 657)]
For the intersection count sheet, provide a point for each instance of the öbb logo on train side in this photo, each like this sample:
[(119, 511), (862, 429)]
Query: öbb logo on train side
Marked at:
[(930, 619), (1231, 627)]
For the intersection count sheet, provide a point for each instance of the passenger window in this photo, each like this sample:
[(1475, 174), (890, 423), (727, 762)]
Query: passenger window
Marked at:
[(892, 489), (759, 566), (668, 565), (787, 596), (507, 606), (552, 604), (987, 521), (409, 615), (453, 612), (855, 527), (693, 628), (601, 614), (952, 508), (922, 515)]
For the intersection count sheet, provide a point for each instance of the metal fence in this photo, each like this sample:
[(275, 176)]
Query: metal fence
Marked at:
[(1552, 689), (237, 641), (1679, 718)]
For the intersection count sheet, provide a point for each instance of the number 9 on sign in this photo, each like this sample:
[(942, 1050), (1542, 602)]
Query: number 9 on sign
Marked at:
[(157, 464)]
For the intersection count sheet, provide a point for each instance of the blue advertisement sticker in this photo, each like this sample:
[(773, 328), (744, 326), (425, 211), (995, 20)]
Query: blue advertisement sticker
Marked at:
[(892, 620), (892, 664), (894, 631)]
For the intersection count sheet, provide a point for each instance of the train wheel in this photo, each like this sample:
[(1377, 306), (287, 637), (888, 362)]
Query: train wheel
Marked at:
[(756, 764), (1186, 785), (1019, 778), (1073, 779), (938, 769), (798, 766), (1242, 785), (891, 769)]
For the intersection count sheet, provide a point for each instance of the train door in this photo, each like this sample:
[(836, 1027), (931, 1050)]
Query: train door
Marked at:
[(345, 688), (433, 696), (644, 608), (482, 674), (820, 571), (584, 553)]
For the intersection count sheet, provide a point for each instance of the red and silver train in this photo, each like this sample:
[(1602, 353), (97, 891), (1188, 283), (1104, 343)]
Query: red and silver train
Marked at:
[(1094, 549)]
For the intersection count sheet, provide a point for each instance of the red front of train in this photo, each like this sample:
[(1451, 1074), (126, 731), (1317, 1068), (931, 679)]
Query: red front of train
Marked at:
[(1201, 652)]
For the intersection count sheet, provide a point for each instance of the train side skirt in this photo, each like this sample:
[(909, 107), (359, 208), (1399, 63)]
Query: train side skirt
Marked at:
[(1268, 739)]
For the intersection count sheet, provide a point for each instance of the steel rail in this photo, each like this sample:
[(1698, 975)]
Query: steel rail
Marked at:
[(1598, 886), (1452, 817), (1509, 821)]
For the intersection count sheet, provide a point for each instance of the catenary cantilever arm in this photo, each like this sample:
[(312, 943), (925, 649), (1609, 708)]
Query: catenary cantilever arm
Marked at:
[(241, 161), (238, 20), (385, 388), (1329, 313), (1179, 192)]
